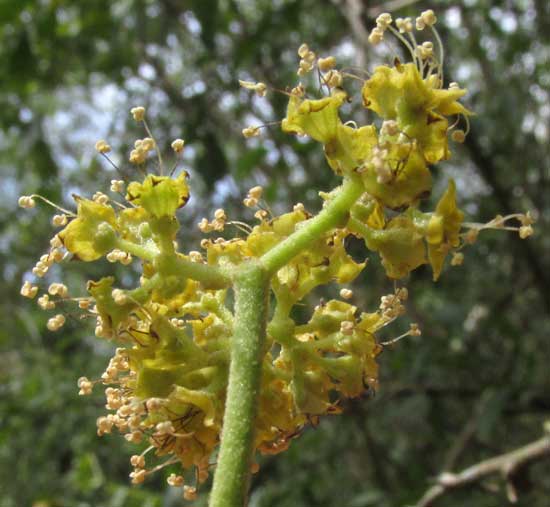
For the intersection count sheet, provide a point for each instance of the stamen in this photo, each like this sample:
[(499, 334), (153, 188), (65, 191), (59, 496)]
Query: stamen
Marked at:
[(467, 120), (402, 39), (242, 226), (47, 201), (157, 149), (394, 340), (441, 51), (414, 44), (355, 69), (353, 76), (118, 170)]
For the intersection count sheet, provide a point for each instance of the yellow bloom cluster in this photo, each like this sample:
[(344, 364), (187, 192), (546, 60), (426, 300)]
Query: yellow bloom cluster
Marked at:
[(167, 382), (393, 158)]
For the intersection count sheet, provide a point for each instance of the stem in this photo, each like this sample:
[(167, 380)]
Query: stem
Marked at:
[(210, 276), (334, 214), (251, 285), (143, 252), (232, 477)]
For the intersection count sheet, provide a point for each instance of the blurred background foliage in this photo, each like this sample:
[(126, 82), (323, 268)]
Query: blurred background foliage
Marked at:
[(474, 385)]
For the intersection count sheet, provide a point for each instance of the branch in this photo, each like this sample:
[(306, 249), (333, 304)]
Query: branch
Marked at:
[(232, 476), (333, 215), (506, 465), (353, 10), (467, 433), (211, 277), (391, 6)]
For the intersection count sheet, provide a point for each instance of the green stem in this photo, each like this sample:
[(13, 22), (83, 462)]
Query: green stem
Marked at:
[(231, 481), (359, 228), (210, 276), (334, 214), (251, 285), (143, 252), (141, 294)]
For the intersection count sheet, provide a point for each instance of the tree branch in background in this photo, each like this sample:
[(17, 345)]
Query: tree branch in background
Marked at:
[(353, 11), (506, 465), (467, 433), (390, 6)]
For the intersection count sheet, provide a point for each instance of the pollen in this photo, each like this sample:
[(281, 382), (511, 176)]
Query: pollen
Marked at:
[(178, 145), (251, 132), (56, 323), (59, 220), (175, 480), (326, 64), (85, 386), (29, 290), (138, 113), (189, 493), (525, 231), (428, 17), (458, 136), (26, 201), (346, 293), (58, 289), (376, 36), (404, 25), (383, 21), (117, 186), (414, 330), (260, 88), (256, 192), (102, 147)]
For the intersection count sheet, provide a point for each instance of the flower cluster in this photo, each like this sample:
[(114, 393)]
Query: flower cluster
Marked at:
[(393, 157), (166, 383)]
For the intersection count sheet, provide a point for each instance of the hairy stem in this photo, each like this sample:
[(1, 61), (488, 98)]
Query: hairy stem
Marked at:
[(232, 477), (143, 252), (334, 214), (211, 277), (251, 285)]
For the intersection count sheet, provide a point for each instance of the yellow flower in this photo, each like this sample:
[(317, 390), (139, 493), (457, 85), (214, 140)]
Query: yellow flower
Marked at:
[(316, 118), (351, 146), (400, 245), (443, 229), (418, 105), (159, 195), (346, 147), (90, 235), (409, 181)]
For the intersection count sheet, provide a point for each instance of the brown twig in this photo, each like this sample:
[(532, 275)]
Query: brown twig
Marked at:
[(391, 6), (506, 465), (465, 436), (353, 11)]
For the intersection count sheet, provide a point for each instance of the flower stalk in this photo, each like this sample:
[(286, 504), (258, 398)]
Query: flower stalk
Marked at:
[(334, 214), (232, 476)]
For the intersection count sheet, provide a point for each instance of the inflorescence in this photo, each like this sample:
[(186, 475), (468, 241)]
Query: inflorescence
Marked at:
[(166, 383)]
